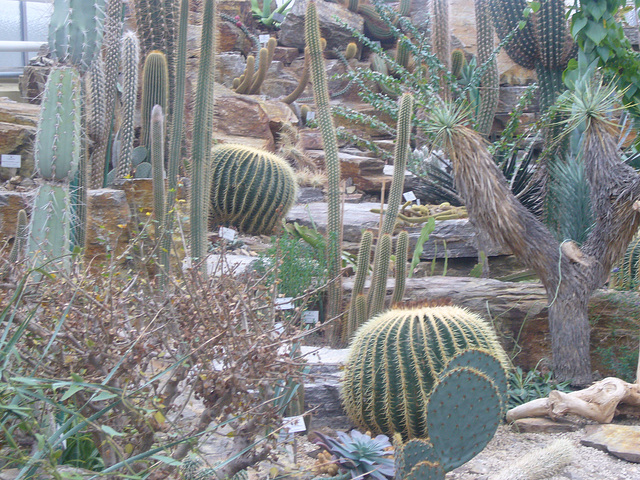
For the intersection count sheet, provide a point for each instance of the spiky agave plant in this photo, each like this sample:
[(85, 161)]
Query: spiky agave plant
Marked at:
[(360, 454)]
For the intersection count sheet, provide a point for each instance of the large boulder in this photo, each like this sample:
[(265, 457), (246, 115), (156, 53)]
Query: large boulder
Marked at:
[(337, 36)]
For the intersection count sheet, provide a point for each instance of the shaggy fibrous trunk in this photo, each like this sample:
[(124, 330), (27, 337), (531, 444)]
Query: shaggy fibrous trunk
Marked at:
[(570, 274)]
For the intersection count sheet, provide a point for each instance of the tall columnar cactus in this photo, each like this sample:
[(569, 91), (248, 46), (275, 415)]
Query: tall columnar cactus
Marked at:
[(378, 289), (490, 82), (155, 90), (130, 64), (441, 38), (202, 136), (402, 253), (330, 144), (252, 190), (403, 53), (75, 31), (544, 43), (362, 270), (156, 152), (396, 359), (57, 152), (175, 140)]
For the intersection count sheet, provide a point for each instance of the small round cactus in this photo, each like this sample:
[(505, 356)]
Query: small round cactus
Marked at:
[(397, 357), (252, 189)]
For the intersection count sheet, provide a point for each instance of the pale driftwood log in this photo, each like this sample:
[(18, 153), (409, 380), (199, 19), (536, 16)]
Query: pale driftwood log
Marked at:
[(598, 402)]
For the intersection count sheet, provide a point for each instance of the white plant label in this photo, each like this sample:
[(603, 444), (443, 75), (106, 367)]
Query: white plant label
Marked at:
[(311, 316), (264, 38), (284, 303), (409, 196), (227, 233), (279, 328), (11, 161), (311, 115), (277, 17), (294, 424), (417, 201)]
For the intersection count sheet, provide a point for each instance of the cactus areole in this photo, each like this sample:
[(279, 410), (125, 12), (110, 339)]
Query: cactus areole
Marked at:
[(396, 359)]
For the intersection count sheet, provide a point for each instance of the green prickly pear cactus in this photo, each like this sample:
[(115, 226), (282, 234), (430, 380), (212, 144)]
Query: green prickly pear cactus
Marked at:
[(463, 413), (75, 31), (252, 190), (396, 359)]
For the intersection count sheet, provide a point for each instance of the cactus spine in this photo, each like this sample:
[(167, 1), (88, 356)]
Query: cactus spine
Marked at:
[(203, 123), (252, 190), (330, 144), (155, 90), (130, 63), (75, 31), (396, 359), (58, 148)]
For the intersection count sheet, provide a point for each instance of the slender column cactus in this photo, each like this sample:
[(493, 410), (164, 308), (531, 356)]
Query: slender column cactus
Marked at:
[(330, 143), (112, 49), (202, 137), (442, 41), (175, 140), (402, 253), (362, 269), (130, 64), (489, 84), (155, 90), (156, 152), (19, 241), (378, 289)]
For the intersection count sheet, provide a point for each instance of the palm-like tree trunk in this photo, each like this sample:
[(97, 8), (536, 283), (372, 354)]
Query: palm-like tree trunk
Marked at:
[(570, 274)]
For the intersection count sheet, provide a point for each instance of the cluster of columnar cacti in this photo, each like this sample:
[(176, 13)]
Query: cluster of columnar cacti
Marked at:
[(462, 415), (202, 137), (251, 80), (377, 291), (397, 358), (544, 43), (332, 162), (157, 29), (58, 147), (252, 190)]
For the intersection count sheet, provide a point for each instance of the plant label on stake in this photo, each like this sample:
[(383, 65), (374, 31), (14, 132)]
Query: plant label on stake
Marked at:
[(264, 38), (284, 303), (311, 316), (311, 115), (11, 161), (228, 234), (409, 196)]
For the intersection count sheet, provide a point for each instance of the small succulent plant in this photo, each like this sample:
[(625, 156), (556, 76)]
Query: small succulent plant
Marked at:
[(361, 455)]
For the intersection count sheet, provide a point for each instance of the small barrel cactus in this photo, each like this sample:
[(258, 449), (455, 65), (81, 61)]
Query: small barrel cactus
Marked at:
[(396, 359), (252, 190)]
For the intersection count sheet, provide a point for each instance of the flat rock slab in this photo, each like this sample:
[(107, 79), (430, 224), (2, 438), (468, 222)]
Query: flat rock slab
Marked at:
[(622, 441), (543, 425)]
